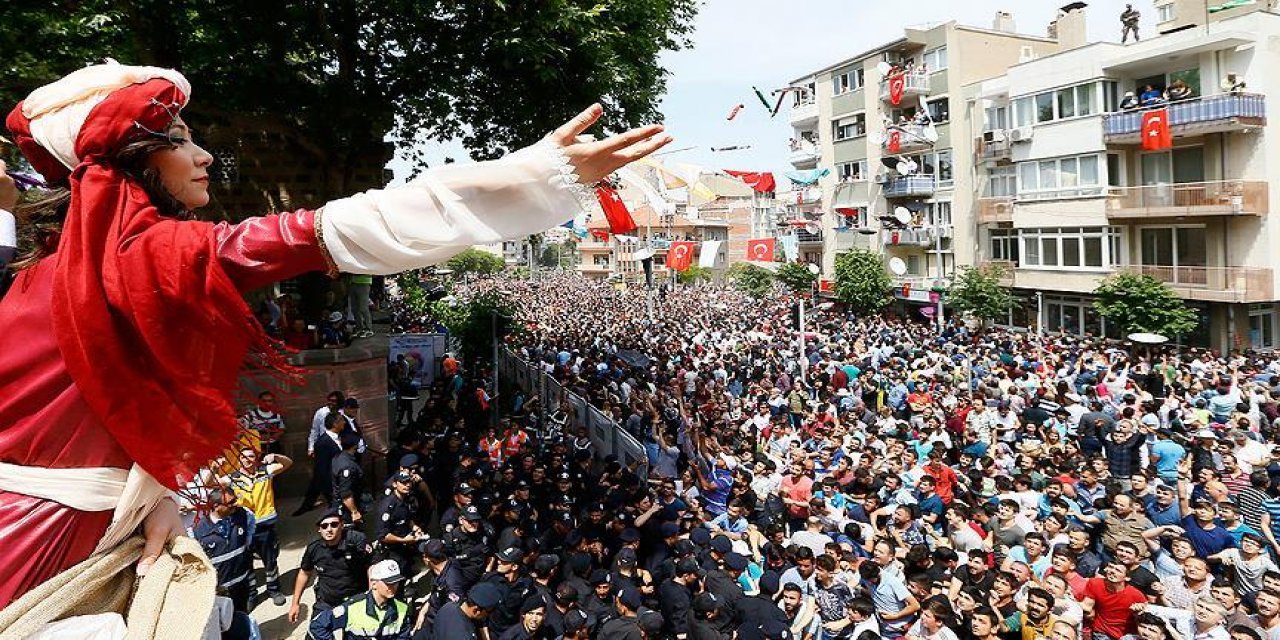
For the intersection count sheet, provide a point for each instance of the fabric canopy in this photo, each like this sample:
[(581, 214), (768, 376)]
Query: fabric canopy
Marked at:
[(808, 177)]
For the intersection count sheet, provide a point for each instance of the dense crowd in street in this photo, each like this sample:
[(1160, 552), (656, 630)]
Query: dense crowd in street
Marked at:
[(889, 481)]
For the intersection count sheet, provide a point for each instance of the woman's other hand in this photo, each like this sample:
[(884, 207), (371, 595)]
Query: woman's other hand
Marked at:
[(595, 160), (162, 525)]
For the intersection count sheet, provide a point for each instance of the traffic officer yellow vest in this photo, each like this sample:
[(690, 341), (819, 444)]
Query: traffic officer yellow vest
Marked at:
[(363, 621)]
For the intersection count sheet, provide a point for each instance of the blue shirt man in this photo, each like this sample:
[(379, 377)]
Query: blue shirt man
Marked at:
[(1167, 454)]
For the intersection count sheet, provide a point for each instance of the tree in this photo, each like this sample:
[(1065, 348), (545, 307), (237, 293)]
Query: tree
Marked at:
[(977, 291), (861, 281), (693, 274), (753, 280), (353, 73), (475, 261), (1141, 303), (473, 322), (796, 276)]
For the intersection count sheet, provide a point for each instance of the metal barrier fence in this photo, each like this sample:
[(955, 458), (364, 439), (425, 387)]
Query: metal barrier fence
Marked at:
[(607, 436)]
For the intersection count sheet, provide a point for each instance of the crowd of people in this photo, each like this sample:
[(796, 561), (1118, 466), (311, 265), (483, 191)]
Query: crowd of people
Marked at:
[(885, 481)]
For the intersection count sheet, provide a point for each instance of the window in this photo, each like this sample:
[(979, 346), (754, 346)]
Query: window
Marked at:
[(850, 127), (1262, 321), (935, 60), (1070, 177), (1004, 245), (939, 110), (1002, 182), (942, 162), (1044, 107), (915, 266), (939, 214), (851, 218), (856, 170), (846, 82), (1068, 102), (1069, 247), (1164, 12), (997, 118)]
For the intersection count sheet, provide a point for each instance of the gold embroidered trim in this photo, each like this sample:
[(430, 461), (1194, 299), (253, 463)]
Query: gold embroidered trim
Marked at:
[(332, 271)]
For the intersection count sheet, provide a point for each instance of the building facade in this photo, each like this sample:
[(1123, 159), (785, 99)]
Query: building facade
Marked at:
[(846, 117), (1067, 195), (618, 259)]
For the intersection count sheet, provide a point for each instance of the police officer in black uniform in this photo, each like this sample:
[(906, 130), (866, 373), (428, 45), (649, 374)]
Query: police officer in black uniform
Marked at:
[(470, 543), (675, 596), (226, 536), (758, 608), (348, 480), (514, 587), (446, 581), (396, 533), (339, 559), (625, 625)]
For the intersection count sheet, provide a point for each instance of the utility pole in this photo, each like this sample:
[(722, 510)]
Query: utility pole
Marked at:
[(493, 327), (803, 359)]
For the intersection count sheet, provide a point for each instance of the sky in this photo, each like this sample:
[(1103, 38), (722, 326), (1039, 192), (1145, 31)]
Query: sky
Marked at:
[(738, 44)]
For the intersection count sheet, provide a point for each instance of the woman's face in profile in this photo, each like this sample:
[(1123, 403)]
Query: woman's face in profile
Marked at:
[(184, 168)]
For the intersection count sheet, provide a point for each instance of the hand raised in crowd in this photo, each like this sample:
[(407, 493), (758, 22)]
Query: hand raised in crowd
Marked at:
[(595, 160), (8, 189)]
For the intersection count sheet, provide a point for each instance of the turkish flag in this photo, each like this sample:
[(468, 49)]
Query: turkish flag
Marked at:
[(680, 255), (895, 141), (615, 211), (760, 250), (897, 86), (762, 182), (1156, 134), (600, 234)]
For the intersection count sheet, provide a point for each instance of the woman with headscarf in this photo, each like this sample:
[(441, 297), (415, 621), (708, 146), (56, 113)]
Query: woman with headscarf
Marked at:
[(125, 331)]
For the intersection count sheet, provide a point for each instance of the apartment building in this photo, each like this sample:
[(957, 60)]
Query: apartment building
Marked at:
[(617, 257), (1068, 196), (840, 122)]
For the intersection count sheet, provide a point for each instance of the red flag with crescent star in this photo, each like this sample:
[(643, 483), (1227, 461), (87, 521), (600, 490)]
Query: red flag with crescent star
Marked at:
[(680, 255), (1156, 134), (897, 87), (615, 211), (760, 250), (895, 141)]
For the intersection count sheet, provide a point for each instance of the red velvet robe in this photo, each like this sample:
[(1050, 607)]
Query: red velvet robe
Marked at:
[(44, 422)]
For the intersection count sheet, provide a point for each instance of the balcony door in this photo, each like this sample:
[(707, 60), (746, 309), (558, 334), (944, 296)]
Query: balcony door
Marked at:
[(1177, 255), (1178, 166)]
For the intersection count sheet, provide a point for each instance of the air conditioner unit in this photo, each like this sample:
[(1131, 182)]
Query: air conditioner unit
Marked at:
[(882, 178), (1021, 134), (997, 135)]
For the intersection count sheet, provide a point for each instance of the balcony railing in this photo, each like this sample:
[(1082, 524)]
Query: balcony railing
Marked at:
[(1220, 198), (804, 237), (804, 112), (914, 84), (804, 153), (995, 209), (1005, 268), (1209, 114), (921, 186), (1212, 284), (591, 267), (593, 246), (911, 138), (994, 151)]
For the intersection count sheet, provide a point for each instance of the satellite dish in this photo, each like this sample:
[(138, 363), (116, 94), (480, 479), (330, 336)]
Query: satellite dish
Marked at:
[(866, 231), (904, 167), (815, 269), (644, 254), (826, 305), (812, 228), (931, 133), (902, 216), (884, 67), (915, 206), (1148, 338), (892, 163), (877, 137), (897, 266)]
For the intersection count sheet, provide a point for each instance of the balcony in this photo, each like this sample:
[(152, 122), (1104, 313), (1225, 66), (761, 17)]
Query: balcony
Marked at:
[(911, 139), (993, 148), (914, 288), (594, 269), (926, 237), (991, 210), (921, 186), (914, 85), (805, 113), (1005, 268), (1213, 284), (1221, 198), (804, 154), (804, 237), (1198, 116), (593, 246)]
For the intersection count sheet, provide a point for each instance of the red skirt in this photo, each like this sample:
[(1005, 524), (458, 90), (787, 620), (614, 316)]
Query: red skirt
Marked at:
[(41, 538)]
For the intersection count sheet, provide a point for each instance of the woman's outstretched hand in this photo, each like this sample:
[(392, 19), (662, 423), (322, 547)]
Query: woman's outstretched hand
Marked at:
[(595, 160)]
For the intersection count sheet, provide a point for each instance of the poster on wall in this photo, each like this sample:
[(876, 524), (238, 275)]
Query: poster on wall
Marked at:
[(422, 351)]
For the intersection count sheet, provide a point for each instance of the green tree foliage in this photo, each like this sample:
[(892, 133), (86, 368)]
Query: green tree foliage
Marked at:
[(559, 254), (977, 290), (796, 276), (475, 261), (1141, 303), (693, 274), (352, 73), (861, 281), (473, 322), (753, 280)]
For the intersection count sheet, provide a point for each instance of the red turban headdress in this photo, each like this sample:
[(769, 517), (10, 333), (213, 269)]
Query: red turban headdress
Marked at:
[(152, 329)]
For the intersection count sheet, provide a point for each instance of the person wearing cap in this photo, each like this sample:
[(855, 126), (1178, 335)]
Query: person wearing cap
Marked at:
[(531, 623), (395, 531), (252, 483), (461, 499), (723, 581), (705, 617), (447, 583), (625, 624), (338, 559), (470, 543), (599, 603), (760, 606), (577, 626), (514, 587), (376, 614), (348, 480), (464, 619), (226, 536), (627, 573), (563, 603), (675, 596)]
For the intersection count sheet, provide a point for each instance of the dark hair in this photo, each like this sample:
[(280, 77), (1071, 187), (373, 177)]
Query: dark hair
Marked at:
[(41, 220)]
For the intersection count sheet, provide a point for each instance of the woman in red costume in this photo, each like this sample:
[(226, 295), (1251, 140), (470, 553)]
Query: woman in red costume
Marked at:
[(125, 330)]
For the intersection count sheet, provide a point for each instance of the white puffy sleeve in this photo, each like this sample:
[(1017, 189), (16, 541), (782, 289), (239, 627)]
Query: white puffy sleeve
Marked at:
[(445, 210)]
